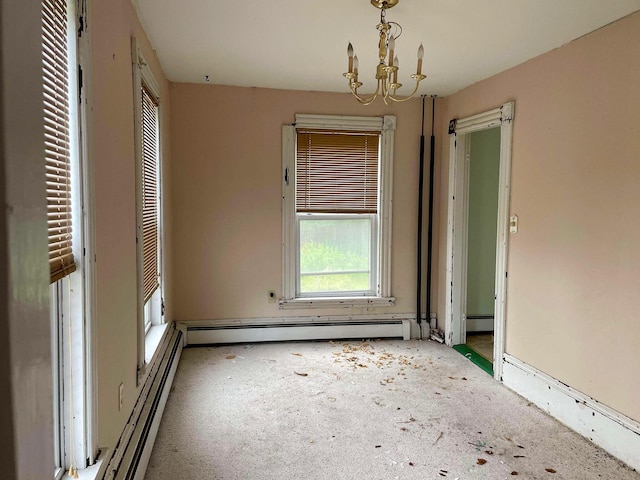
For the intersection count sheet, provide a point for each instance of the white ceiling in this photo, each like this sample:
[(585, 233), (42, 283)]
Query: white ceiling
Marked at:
[(301, 44)]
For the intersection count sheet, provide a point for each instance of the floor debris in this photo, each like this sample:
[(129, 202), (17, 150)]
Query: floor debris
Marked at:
[(307, 410), (411, 420), (230, 357), (514, 442), (479, 445)]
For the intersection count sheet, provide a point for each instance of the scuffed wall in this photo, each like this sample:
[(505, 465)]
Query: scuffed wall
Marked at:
[(114, 23), (574, 265)]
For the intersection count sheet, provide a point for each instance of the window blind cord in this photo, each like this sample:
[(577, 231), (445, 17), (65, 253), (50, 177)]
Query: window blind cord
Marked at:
[(73, 471)]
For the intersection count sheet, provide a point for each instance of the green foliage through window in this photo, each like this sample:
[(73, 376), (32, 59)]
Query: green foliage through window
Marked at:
[(334, 255)]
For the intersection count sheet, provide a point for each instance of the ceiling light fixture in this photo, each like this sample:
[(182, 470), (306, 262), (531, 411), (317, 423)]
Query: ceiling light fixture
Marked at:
[(386, 73)]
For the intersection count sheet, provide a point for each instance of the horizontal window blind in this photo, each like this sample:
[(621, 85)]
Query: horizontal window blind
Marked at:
[(150, 264), (57, 138), (337, 171)]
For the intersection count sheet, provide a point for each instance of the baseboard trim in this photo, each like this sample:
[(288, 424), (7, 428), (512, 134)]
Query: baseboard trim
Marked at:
[(131, 455), (296, 328), (616, 433), (478, 324)]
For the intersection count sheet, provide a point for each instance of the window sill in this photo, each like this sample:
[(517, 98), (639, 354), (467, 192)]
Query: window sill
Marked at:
[(152, 339), (94, 472), (336, 302)]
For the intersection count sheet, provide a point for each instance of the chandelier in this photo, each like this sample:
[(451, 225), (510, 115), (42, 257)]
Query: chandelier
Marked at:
[(386, 73)]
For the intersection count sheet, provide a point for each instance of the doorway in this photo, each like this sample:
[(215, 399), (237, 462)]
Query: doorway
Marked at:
[(480, 160), (483, 168)]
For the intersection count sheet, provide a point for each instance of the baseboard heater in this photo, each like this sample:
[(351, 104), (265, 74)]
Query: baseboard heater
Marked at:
[(217, 333), (131, 455)]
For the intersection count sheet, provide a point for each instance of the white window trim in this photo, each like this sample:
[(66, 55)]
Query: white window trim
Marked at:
[(82, 282), (387, 126), (148, 330)]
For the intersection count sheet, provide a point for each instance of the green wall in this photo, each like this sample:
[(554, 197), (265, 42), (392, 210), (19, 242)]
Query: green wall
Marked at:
[(484, 167)]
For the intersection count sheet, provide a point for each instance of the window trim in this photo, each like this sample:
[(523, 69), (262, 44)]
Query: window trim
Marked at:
[(386, 125), (142, 74), (75, 293)]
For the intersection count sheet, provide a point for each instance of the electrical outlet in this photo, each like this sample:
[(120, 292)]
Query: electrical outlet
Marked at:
[(120, 396), (271, 296)]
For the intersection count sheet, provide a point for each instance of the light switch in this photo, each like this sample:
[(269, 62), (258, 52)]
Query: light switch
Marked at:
[(513, 224)]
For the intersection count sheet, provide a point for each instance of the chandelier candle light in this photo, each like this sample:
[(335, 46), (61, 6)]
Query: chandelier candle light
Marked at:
[(386, 73)]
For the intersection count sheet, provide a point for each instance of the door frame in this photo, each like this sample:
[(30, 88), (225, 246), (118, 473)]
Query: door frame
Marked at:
[(455, 325)]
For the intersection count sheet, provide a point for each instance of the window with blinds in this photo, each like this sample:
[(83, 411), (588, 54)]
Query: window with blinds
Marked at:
[(337, 171), (150, 155), (336, 204), (57, 137)]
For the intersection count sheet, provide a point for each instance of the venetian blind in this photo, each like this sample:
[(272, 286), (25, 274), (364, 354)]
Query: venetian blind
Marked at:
[(337, 171), (57, 141), (149, 193)]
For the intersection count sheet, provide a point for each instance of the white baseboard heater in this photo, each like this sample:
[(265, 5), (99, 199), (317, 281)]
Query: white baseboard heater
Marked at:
[(131, 455), (202, 333)]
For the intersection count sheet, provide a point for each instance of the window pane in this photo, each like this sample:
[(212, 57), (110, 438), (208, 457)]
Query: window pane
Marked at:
[(335, 255)]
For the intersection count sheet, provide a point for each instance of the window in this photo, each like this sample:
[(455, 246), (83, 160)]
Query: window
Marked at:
[(337, 215), (149, 205), (69, 216), (150, 202)]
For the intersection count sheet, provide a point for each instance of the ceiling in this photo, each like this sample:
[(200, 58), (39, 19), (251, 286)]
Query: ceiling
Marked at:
[(301, 44)]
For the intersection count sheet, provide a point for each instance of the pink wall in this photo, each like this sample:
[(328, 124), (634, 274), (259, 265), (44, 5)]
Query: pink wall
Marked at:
[(113, 154), (574, 265), (226, 174)]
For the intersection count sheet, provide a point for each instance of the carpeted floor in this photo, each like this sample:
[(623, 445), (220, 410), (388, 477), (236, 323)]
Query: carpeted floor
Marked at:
[(352, 410)]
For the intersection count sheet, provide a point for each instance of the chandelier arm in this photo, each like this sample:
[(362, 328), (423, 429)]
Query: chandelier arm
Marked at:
[(365, 101), (409, 97)]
